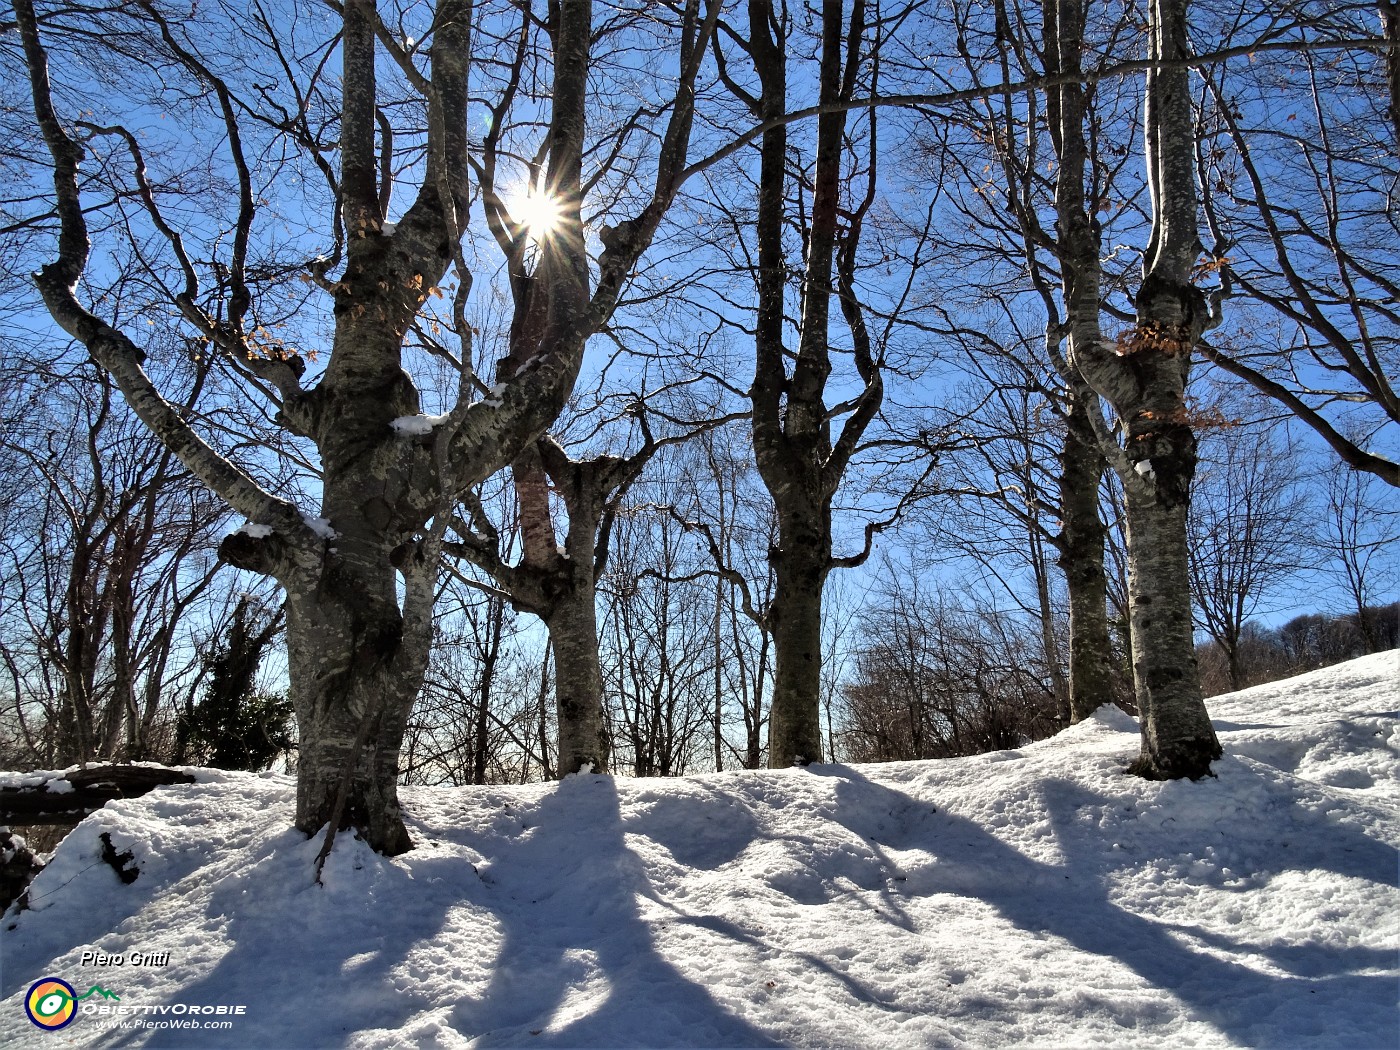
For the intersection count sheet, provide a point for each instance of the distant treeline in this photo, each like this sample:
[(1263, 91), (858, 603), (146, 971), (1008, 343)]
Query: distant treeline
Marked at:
[(1304, 643), (939, 677)]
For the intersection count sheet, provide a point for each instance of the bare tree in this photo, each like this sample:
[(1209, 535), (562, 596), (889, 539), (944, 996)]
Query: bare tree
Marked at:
[(656, 646), (719, 498), (1143, 376), (1001, 481), (941, 676), (356, 652), (476, 722), (1360, 526), (800, 463), (996, 149), (1248, 533), (558, 581), (109, 556)]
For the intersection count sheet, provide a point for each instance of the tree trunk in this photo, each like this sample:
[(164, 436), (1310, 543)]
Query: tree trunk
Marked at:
[(542, 711), (354, 677), (491, 652), (578, 678), (559, 585), (1081, 558), (1040, 567), (1232, 657), (1144, 377), (719, 660), (1177, 737), (753, 713), (1082, 461), (794, 720)]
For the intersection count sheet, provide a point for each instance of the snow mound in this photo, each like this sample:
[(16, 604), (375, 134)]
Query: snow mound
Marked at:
[(1033, 897)]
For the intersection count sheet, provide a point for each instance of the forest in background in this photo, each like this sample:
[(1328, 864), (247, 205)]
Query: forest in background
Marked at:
[(791, 355)]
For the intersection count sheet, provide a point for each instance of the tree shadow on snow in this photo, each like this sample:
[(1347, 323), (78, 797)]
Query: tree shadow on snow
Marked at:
[(576, 965), (587, 972), (573, 961), (1072, 901), (331, 952)]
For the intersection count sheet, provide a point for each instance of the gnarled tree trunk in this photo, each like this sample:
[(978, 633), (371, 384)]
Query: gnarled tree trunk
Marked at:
[(1177, 737), (354, 678), (1144, 377)]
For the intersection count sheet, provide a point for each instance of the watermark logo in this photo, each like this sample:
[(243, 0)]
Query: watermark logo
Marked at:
[(52, 1002)]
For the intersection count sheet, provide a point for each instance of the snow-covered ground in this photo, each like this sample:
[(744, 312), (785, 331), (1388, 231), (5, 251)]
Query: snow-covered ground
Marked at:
[(1026, 897)]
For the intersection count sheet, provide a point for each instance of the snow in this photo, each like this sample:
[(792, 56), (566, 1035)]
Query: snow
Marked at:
[(29, 780), (56, 780), (1144, 468), (1032, 897), (417, 426), (320, 526)]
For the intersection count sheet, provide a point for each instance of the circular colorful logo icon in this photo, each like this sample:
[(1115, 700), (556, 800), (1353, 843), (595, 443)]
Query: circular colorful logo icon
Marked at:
[(51, 1003)]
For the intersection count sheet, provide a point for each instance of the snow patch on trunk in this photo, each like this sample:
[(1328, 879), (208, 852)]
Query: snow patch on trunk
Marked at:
[(417, 426)]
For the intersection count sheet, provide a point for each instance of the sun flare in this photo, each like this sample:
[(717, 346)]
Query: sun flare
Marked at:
[(537, 211)]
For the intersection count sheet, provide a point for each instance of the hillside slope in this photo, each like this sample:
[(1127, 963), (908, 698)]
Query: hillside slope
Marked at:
[(1031, 897)]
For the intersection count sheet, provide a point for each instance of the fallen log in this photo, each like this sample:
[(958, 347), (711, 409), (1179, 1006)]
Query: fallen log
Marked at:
[(66, 798)]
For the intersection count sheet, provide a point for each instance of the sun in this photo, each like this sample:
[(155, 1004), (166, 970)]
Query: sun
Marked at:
[(538, 212)]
